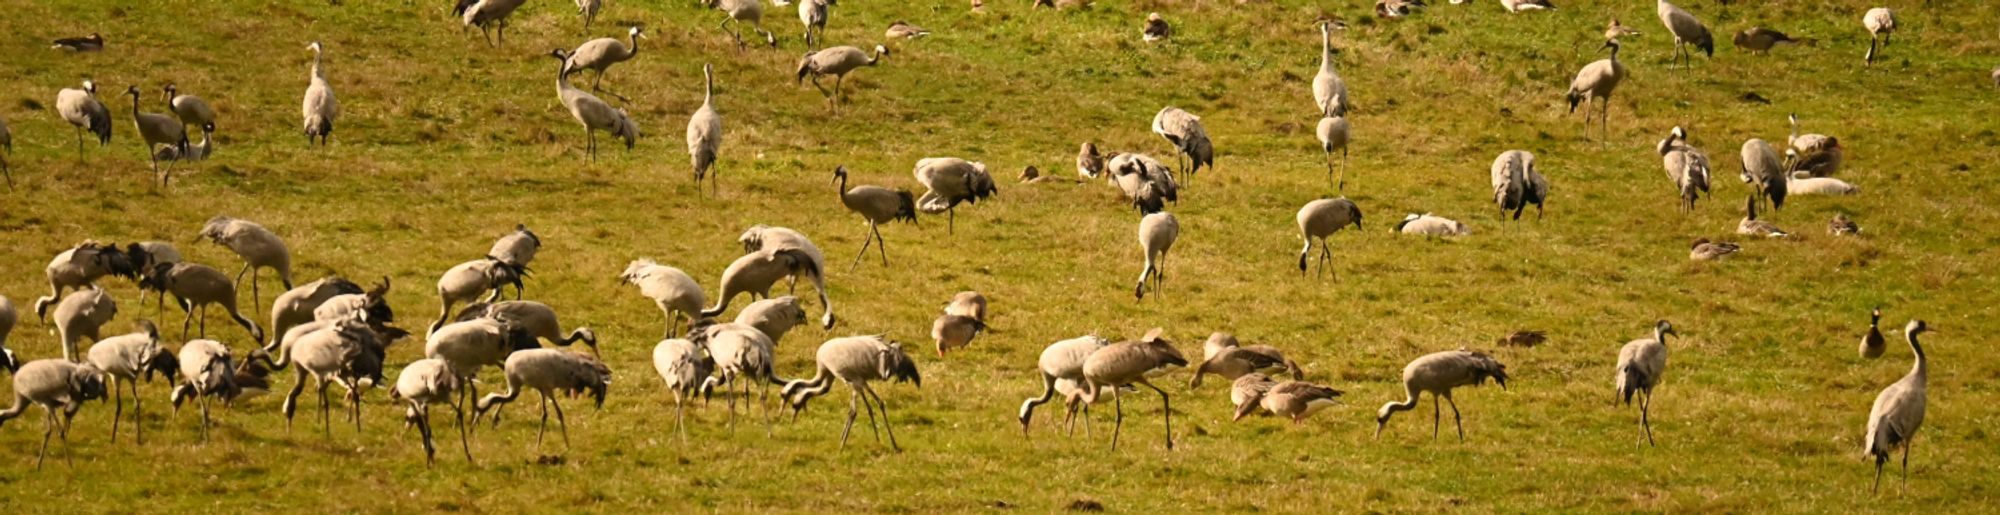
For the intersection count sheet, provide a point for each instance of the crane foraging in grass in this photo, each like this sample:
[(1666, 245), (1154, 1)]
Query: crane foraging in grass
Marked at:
[(1880, 22), (685, 368), (1157, 233), (763, 237), (128, 357), (489, 15), (1687, 30), (259, 248), (952, 181), (420, 384), (206, 372), (877, 205), (82, 314), (54, 385), (593, 113), (80, 267), (838, 62), (1764, 173), (676, 293), (1060, 361), (1124, 363), (857, 361), (1318, 220), (1595, 83), (741, 12), (1440, 373), (1516, 183), (1189, 138), (546, 371)]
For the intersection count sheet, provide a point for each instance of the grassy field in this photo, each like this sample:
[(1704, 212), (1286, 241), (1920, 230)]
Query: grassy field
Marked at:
[(445, 143)]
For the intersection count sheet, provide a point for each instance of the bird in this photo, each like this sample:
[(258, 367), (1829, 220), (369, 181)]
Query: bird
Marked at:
[(756, 272), (704, 132), (951, 181), (1246, 393), (969, 304), (80, 315), (1516, 183), (1640, 364), (1032, 175), (1329, 91), (676, 293), (1395, 9), (157, 129), (838, 62), (192, 111), (1332, 132), (1872, 343), (421, 383), (206, 370), (1761, 40), (1802, 182), (129, 357), (516, 249), (346, 352), (1157, 233), (1060, 361), (743, 11), (1897, 414), (319, 109), (1764, 173), (812, 13), (465, 282), (490, 16), (1523, 338), (876, 205), (740, 352), (904, 30), (546, 371), (537, 319), (589, 9), (952, 331), (6, 142), (81, 266), (1318, 220), (1224, 356), (592, 112), (1687, 30), (1431, 225), (1686, 166), (1704, 250), (8, 317), (857, 361), (774, 317), (1515, 6), (763, 237), (1297, 400), (1751, 226), (1071, 391), (599, 54), (1817, 154), (54, 385), (1089, 164), (90, 43), (1881, 23), (259, 248), (1130, 362), (1617, 30), (1156, 28), (469, 346), (684, 367), (1840, 225), (1595, 82), (1148, 182), (1439, 373), (195, 287), (81, 108), (1185, 132), (193, 152)]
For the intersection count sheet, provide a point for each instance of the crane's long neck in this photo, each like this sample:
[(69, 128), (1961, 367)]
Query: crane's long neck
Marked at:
[(821, 382), (1750, 205), (843, 184), (135, 106), (632, 45), (1922, 368), (708, 85), (874, 58), (1325, 49), (1660, 336), (318, 72)]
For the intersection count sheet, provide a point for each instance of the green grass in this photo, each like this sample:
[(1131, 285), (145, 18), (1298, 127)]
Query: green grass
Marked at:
[(445, 143)]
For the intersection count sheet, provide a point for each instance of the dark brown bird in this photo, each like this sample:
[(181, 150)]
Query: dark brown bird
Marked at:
[(1872, 343), (1761, 40), (1523, 338), (90, 43), (1840, 225)]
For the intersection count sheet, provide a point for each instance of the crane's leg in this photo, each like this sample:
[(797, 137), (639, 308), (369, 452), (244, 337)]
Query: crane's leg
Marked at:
[(464, 442), (861, 391), (853, 410), (49, 429), (1166, 408), (204, 416), (680, 415), (542, 429), (562, 422), (79, 149), (951, 216), (886, 427), (118, 407), (138, 417), (1086, 422), (590, 142), (1645, 417), (1879, 458), (1906, 460), (1329, 167), (1343, 169), (291, 405), (1455, 419), (424, 427), (1326, 258), (881, 245), (1436, 414), (325, 411), (1118, 405), (838, 81)]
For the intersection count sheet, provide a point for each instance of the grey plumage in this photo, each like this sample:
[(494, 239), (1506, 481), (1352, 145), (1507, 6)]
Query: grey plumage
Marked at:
[(1595, 82), (535, 318), (1881, 23), (876, 205), (548, 371), (1157, 234), (1686, 29), (207, 371), (857, 361), (490, 16), (1898, 411), (81, 109), (129, 357), (838, 62), (1129, 362), (1061, 361), (516, 249), (465, 282), (422, 383), (195, 287), (740, 12), (676, 293), (81, 266), (1640, 365), (81, 314), (157, 130), (1189, 138), (1517, 183), (1686, 166), (1329, 91), (1764, 173), (259, 248), (1224, 356), (1318, 220), (1440, 373), (600, 54), (684, 367), (764, 237), (319, 109), (54, 385), (951, 181), (591, 112), (704, 132)]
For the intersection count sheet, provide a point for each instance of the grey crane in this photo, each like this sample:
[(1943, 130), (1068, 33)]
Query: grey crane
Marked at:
[(157, 129), (82, 314), (592, 112), (81, 266), (812, 14), (951, 181), (54, 385), (1188, 137), (538, 319), (763, 237), (422, 383), (684, 367), (676, 293), (195, 287), (346, 352), (1687, 30), (774, 316), (81, 109), (1332, 133), (193, 111), (8, 317), (1686, 166), (469, 346), (1440, 373), (129, 357), (755, 273), (740, 12), (206, 372), (259, 247), (320, 108), (877, 205), (1060, 361), (1329, 91), (1516, 183), (1157, 234), (1595, 82), (599, 54), (589, 9), (740, 352), (704, 133), (489, 15), (1640, 364), (465, 282), (1129, 362), (1764, 173), (516, 249), (295, 306), (838, 62), (1898, 411), (547, 371), (857, 361), (1318, 220), (1880, 22)]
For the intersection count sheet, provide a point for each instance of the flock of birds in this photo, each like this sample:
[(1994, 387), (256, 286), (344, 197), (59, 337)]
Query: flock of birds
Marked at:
[(333, 332)]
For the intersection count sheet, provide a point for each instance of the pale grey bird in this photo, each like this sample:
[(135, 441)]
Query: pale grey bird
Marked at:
[(704, 133), (1329, 91), (763, 237), (1295, 400), (81, 266), (838, 62), (422, 383), (469, 346), (8, 317), (740, 352), (755, 273), (1640, 365), (951, 181), (676, 293), (1431, 225), (490, 16), (1898, 411), (1332, 132), (593, 113), (1318, 220), (1595, 82), (195, 287), (774, 317), (740, 12), (259, 247), (1880, 22), (158, 130), (1189, 138), (1687, 30), (877, 205), (1764, 173), (599, 54), (319, 108), (207, 372), (1246, 393), (516, 249), (1617, 30), (812, 14), (904, 30), (346, 352), (1515, 6), (1129, 362), (857, 361), (465, 282), (548, 371), (1060, 361), (1516, 183), (535, 318), (58, 386), (81, 108), (82, 314), (1439, 374), (1157, 234), (129, 357), (193, 111), (1704, 250), (589, 9), (1802, 182), (684, 367), (1686, 166)]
